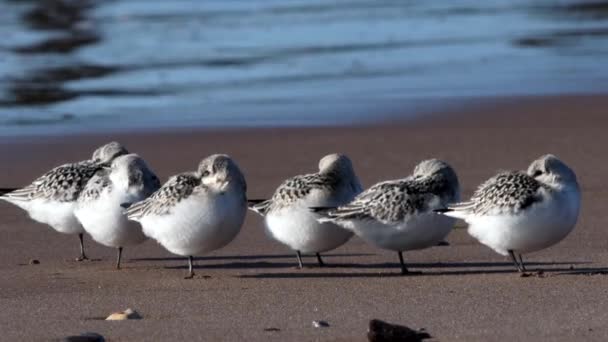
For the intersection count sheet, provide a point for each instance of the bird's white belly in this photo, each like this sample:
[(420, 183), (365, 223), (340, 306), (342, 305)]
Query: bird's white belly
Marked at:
[(58, 215), (298, 228), (105, 221), (543, 226), (197, 225), (421, 231)]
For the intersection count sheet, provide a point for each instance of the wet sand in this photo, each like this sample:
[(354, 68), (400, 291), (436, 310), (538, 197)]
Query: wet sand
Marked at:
[(466, 291)]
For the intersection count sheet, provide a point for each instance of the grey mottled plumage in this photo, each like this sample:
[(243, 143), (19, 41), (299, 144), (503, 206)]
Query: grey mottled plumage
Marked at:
[(288, 218), (65, 183), (180, 187), (507, 192), (146, 182), (99, 208), (297, 188), (398, 214), (94, 187), (176, 189), (397, 200), (520, 212), (196, 212), (51, 198)]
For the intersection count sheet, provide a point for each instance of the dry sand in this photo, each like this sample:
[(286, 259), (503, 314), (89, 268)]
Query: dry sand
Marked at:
[(466, 292)]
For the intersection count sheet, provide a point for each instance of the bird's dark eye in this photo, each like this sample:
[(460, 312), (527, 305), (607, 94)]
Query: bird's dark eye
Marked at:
[(206, 173), (537, 173)]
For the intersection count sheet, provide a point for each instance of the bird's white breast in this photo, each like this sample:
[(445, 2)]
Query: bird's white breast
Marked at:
[(58, 215), (198, 224), (540, 226), (418, 232), (297, 227), (104, 219)]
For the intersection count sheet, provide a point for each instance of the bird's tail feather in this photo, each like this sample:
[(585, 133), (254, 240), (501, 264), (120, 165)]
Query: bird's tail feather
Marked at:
[(259, 206), (459, 210), (4, 191)]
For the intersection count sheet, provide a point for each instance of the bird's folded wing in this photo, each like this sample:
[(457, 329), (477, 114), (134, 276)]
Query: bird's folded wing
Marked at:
[(176, 189)]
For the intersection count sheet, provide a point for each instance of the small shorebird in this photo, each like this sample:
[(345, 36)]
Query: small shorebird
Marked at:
[(99, 208), (51, 198), (398, 214), (288, 217), (196, 212), (521, 212)]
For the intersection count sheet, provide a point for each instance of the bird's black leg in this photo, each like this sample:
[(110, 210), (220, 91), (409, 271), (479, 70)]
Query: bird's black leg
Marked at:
[(321, 263), (83, 256), (118, 257), (299, 256), (190, 271), (403, 268), (521, 262), (519, 268)]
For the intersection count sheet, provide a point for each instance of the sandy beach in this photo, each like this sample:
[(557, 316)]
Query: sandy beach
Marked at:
[(251, 291)]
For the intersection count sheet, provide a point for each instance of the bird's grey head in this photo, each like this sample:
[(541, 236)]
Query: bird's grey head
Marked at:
[(133, 172), (336, 162), (220, 172), (549, 169), (108, 152), (440, 176), (340, 166)]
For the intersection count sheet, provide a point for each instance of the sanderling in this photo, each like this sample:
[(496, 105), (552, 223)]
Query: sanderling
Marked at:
[(398, 214), (51, 198), (196, 212), (100, 205), (518, 212), (288, 217)]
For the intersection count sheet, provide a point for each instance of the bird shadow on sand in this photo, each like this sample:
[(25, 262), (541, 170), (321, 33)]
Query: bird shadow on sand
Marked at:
[(438, 269), (253, 257), (591, 271), (356, 270), (247, 261)]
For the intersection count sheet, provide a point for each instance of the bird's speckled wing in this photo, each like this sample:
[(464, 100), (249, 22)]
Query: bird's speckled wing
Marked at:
[(507, 192), (387, 202), (176, 189), (95, 186), (295, 189), (63, 183)]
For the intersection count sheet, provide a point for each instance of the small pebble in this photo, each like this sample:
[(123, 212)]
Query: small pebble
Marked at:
[(86, 337), (272, 329), (320, 324), (34, 262), (121, 316)]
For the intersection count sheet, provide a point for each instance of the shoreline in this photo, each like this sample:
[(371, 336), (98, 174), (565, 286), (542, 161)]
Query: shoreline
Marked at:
[(425, 112)]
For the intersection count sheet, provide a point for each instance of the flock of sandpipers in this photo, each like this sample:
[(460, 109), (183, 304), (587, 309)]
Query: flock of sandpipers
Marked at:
[(119, 201)]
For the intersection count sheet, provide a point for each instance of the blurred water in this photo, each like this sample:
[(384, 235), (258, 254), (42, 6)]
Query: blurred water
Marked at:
[(78, 65)]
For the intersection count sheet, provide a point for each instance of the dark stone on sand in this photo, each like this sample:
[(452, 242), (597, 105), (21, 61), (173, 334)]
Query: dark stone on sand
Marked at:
[(34, 262), (380, 331), (320, 324), (86, 337)]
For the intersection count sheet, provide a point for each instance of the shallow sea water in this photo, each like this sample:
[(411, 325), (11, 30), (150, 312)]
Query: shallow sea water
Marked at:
[(74, 66)]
